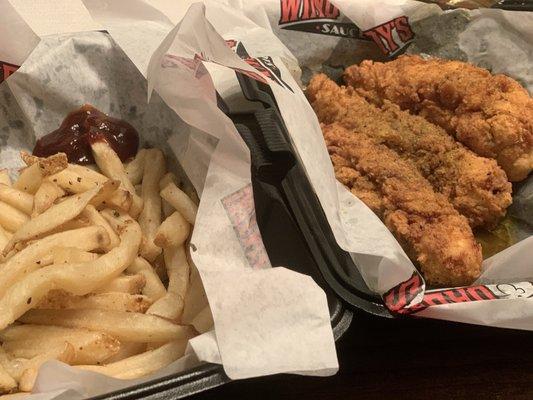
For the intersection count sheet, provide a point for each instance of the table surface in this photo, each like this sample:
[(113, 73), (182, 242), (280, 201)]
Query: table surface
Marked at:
[(409, 359)]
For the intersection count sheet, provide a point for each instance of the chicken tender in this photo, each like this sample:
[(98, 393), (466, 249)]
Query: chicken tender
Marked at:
[(490, 114), (476, 186), (427, 226)]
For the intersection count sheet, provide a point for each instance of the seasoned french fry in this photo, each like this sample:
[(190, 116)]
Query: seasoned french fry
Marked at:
[(29, 179), (90, 347), (4, 177), (135, 168), (30, 368), (203, 322), (45, 197), (47, 165), (69, 255), (173, 231), (7, 383), (150, 217), (41, 252), (180, 201), (108, 190), (127, 349), (168, 178), (78, 279), (11, 218), (142, 364), (16, 198), (171, 305), (16, 367), (4, 238), (131, 327), (79, 179), (96, 219), (61, 300), (110, 164), (53, 217), (153, 287), (14, 396), (165, 206), (195, 299), (132, 284)]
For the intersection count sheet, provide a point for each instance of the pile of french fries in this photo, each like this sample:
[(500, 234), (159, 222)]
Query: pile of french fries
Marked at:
[(94, 267)]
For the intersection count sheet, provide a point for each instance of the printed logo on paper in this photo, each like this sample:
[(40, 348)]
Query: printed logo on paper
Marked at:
[(6, 69), (316, 16), (192, 64), (392, 36), (264, 65), (398, 298), (240, 208)]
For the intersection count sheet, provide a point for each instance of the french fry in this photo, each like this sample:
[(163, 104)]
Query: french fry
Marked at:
[(4, 177), (195, 299), (168, 178), (173, 231), (180, 201), (96, 219), (150, 217), (131, 327), (11, 218), (41, 252), (110, 164), (142, 364), (90, 347), (108, 190), (45, 197), (165, 206), (203, 322), (16, 198), (78, 279), (47, 165), (7, 383), (70, 255), (61, 300), (79, 179), (135, 168), (16, 367), (30, 368), (127, 349), (53, 217), (4, 238), (132, 284), (171, 305), (153, 287), (29, 179), (79, 222)]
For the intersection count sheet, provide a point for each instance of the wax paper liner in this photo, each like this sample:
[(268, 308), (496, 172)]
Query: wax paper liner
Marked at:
[(267, 320), (328, 36)]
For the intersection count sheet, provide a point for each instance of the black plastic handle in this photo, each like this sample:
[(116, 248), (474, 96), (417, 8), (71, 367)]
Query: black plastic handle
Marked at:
[(275, 162)]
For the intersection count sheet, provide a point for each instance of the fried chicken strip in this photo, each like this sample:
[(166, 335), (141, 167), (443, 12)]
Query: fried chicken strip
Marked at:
[(476, 186), (490, 114), (427, 226)]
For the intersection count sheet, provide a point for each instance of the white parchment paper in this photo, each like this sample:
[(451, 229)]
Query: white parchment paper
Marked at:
[(267, 320), (494, 39)]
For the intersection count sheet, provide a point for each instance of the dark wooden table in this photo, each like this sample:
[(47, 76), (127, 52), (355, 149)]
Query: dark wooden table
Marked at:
[(409, 359)]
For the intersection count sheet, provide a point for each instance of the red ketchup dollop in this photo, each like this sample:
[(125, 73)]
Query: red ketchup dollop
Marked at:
[(85, 126)]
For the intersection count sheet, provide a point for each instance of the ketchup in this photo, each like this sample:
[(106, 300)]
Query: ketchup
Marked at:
[(85, 126)]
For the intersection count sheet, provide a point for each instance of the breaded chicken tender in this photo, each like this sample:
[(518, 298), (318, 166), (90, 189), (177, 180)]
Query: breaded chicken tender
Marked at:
[(476, 186), (431, 231), (490, 114)]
